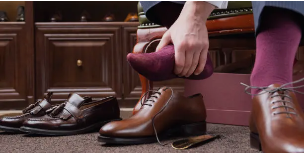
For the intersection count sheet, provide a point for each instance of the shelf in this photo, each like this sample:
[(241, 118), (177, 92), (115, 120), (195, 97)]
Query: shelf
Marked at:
[(12, 23), (72, 11), (73, 24)]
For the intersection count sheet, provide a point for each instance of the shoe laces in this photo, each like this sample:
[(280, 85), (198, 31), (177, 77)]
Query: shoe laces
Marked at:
[(282, 92), (153, 95), (151, 100)]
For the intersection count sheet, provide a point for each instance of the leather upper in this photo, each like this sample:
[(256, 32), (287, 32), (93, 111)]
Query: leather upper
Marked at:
[(280, 129), (77, 112), (170, 109), (34, 110)]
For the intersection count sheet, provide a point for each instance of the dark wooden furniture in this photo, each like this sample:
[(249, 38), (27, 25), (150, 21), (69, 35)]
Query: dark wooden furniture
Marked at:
[(38, 56)]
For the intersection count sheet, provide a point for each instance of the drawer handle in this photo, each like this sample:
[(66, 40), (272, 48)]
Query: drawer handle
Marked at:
[(79, 63)]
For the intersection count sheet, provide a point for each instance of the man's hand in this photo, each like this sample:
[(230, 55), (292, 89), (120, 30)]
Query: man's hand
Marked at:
[(190, 38)]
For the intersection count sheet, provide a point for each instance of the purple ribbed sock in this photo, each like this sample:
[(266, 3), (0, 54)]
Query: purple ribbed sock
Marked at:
[(159, 66), (276, 46)]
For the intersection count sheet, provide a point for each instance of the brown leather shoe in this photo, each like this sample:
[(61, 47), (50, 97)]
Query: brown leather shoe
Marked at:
[(13, 123), (163, 115), (132, 17), (277, 121), (75, 116)]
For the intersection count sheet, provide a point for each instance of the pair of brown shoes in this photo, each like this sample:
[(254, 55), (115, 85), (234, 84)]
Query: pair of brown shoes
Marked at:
[(276, 123), (76, 115)]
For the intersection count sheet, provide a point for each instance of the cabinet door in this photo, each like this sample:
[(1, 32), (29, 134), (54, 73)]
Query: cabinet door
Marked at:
[(12, 66), (132, 86), (82, 58)]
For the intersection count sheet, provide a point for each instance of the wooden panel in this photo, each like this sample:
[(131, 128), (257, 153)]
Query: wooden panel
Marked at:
[(30, 51), (12, 66), (60, 47), (132, 86)]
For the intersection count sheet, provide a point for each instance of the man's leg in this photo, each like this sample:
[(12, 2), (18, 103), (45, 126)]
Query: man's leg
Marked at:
[(277, 120), (276, 45)]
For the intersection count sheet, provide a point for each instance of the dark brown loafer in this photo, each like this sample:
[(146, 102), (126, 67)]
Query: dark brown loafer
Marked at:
[(75, 116), (13, 123), (165, 114)]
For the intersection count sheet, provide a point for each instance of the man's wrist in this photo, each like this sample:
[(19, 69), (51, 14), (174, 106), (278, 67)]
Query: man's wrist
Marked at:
[(199, 9)]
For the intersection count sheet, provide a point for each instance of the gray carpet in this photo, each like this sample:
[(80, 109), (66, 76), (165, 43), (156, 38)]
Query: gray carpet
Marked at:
[(233, 139)]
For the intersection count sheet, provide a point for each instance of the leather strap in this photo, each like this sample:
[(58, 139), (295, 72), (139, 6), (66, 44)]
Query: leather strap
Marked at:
[(73, 110), (43, 105)]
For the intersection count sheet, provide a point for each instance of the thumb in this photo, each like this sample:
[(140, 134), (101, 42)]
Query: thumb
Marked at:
[(166, 39)]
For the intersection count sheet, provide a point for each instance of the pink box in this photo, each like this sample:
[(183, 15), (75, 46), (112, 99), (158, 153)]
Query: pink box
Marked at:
[(225, 99)]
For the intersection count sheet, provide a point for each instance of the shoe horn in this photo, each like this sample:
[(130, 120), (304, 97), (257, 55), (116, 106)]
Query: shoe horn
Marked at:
[(189, 142)]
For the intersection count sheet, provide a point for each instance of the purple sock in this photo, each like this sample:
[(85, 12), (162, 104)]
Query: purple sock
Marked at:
[(276, 46), (159, 66)]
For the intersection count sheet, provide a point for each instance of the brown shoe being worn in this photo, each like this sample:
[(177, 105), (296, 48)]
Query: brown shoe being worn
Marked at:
[(163, 115), (75, 116), (277, 121), (13, 123)]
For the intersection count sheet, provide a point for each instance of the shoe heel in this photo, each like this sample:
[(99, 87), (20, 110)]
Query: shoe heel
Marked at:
[(194, 129), (255, 142)]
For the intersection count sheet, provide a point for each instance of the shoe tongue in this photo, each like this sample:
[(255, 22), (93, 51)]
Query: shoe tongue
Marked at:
[(76, 100)]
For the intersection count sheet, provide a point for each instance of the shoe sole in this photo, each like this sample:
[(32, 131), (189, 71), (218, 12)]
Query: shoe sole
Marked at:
[(91, 128), (255, 141), (181, 131), (10, 129)]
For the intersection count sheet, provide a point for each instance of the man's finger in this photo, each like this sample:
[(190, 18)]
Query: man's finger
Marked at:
[(202, 61), (188, 62), (166, 39), (195, 62), (179, 58)]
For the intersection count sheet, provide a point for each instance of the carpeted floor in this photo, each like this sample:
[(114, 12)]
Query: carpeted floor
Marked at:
[(233, 139)]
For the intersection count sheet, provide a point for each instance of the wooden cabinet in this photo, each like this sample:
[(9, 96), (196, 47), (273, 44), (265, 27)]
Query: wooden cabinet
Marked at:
[(86, 58), (78, 57), (13, 89), (89, 58)]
